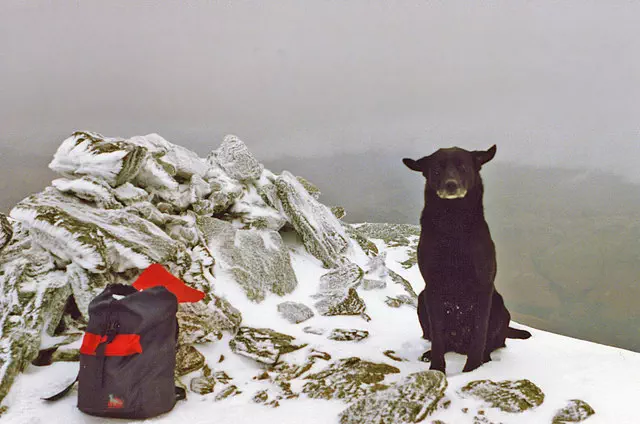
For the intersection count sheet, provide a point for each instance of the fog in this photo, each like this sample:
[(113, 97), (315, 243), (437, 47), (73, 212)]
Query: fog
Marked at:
[(323, 87)]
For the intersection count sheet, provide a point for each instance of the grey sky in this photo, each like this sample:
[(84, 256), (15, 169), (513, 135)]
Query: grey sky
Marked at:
[(550, 82)]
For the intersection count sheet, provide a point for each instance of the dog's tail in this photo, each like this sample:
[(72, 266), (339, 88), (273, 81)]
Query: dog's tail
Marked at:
[(514, 333)]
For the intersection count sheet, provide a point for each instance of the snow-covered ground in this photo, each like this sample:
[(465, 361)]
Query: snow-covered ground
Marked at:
[(564, 368)]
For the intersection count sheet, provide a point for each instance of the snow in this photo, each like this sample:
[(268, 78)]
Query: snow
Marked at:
[(564, 368)]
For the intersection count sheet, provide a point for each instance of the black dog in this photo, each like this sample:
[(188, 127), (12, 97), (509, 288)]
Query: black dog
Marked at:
[(459, 309)]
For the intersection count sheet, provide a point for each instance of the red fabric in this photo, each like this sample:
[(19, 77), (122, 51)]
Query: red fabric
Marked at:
[(122, 344), (156, 275)]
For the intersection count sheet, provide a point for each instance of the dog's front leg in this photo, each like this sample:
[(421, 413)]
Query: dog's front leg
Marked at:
[(435, 307), (475, 355)]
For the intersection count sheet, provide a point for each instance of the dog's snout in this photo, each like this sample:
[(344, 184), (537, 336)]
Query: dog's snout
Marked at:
[(451, 186)]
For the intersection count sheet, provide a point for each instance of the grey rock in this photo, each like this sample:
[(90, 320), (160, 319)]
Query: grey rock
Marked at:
[(403, 299), (348, 335), (576, 411), (409, 401), (258, 259), (314, 330), (205, 321), (368, 284), (234, 157), (321, 232), (348, 379), (508, 395), (337, 294), (6, 231), (295, 312), (263, 344), (188, 359), (392, 234)]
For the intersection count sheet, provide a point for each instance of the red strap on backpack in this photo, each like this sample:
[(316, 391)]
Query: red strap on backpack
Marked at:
[(121, 345)]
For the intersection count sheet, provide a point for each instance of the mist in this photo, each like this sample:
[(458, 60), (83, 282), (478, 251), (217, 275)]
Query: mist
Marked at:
[(339, 92)]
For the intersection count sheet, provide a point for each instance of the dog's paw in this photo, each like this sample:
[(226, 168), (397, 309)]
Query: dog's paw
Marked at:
[(471, 365), (426, 357), (437, 366)]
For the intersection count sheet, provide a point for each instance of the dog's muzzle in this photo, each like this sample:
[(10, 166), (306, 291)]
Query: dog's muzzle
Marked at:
[(451, 190)]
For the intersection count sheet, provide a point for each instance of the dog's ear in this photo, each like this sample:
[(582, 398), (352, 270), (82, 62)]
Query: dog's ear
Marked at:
[(412, 164), (481, 156)]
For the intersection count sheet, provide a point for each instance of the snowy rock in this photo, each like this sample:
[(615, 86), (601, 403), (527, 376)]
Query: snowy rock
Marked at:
[(314, 330), (369, 247), (338, 212), (508, 395), (95, 239), (348, 335), (85, 286), (337, 292), (110, 159), (262, 344), (205, 321), (177, 160), (295, 312), (253, 212), (6, 231), (403, 299), (398, 279), (576, 411), (409, 401), (377, 268), (392, 234), (207, 382), (373, 284), (310, 187), (32, 298), (227, 392), (90, 189), (258, 259), (321, 232), (234, 157), (188, 359), (348, 379), (128, 194)]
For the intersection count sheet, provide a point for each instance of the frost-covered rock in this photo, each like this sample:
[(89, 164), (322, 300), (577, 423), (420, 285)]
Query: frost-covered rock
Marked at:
[(508, 395), (348, 335), (403, 299), (368, 247), (392, 234), (90, 189), (376, 267), (128, 194), (337, 294), (348, 379), (321, 232), (295, 312), (258, 259), (409, 401), (6, 231), (227, 392), (576, 411), (85, 286), (32, 298), (311, 188), (398, 279), (253, 212), (177, 160), (96, 239), (188, 359), (234, 157), (207, 382), (262, 344), (368, 284), (205, 321)]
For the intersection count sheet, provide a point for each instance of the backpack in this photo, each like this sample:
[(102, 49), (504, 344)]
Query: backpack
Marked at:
[(127, 358)]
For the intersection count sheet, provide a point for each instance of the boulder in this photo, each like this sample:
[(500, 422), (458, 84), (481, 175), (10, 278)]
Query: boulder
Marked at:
[(295, 312), (337, 294), (206, 320), (408, 401), (348, 379), (258, 259), (234, 157), (262, 344), (576, 411), (33, 294), (508, 395), (90, 154), (188, 359), (90, 189), (6, 231), (321, 232)]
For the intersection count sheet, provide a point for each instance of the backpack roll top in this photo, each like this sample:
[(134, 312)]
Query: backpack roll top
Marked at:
[(127, 358)]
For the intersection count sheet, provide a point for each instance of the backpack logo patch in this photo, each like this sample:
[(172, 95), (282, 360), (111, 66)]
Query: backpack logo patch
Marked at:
[(115, 402)]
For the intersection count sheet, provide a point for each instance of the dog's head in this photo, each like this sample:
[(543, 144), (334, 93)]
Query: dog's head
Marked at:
[(452, 172)]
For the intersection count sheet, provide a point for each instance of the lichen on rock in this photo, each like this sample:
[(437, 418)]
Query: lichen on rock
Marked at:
[(234, 157), (205, 321), (348, 379), (188, 359), (409, 401), (348, 335), (337, 294), (392, 234), (576, 411), (508, 395), (263, 344)]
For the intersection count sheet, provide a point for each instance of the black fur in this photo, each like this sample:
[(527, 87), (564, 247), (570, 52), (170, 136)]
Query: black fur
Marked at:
[(459, 310)]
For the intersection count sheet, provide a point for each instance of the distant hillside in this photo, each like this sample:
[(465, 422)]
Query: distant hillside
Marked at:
[(567, 240)]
